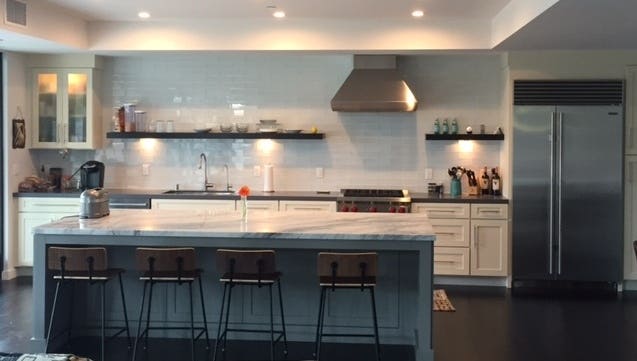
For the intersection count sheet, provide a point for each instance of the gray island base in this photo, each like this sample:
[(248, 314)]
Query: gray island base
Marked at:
[(404, 292)]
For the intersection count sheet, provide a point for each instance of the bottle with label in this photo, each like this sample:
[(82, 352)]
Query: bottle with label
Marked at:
[(454, 126), (445, 126), (484, 182), (496, 182), (437, 126)]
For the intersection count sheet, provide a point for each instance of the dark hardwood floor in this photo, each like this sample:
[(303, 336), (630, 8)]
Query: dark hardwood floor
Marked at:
[(489, 325)]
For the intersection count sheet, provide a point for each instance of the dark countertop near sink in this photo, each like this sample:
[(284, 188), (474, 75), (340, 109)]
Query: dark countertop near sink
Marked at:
[(279, 195)]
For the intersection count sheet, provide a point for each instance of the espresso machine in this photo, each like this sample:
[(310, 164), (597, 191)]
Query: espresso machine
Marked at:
[(91, 175)]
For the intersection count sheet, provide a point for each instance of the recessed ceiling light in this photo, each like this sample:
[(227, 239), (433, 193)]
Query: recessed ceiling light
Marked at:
[(417, 13), (279, 14), (143, 15)]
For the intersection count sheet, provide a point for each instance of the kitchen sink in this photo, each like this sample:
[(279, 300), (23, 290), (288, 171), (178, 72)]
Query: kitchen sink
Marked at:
[(202, 193)]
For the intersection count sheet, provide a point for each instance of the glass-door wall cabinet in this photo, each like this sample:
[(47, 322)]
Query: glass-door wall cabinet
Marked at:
[(66, 109)]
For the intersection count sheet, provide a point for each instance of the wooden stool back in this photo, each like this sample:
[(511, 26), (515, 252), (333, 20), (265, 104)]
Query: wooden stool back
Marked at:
[(347, 269), (247, 262), (74, 259), (165, 260)]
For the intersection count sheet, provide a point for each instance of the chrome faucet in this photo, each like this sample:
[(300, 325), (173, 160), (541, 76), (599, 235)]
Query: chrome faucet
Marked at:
[(228, 186), (203, 160)]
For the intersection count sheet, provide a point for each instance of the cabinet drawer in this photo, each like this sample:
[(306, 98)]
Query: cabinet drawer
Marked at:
[(194, 204), (451, 232), (49, 205), (451, 261), (307, 206), (489, 211), (442, 210), (261, 205)]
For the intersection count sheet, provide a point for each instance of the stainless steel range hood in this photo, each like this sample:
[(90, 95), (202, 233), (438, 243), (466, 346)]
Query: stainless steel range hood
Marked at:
[(374, 85)]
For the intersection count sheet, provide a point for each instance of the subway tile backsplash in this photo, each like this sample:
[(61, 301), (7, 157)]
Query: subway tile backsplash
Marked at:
[(196, 90)]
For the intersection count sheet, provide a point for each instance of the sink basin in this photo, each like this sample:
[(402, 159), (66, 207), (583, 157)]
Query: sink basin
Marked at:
[(202, 193)]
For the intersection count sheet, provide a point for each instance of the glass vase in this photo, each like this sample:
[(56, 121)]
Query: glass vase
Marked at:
[(244, 208)]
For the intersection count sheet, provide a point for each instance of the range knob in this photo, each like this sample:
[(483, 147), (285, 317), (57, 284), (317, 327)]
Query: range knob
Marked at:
[(373, 209), (392, 209), (353, 208), (344, 209), (402, 209)]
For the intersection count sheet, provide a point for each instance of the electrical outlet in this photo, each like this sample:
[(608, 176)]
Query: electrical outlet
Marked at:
[(256, 171), (319, 172), (145, 169), (429, 173)]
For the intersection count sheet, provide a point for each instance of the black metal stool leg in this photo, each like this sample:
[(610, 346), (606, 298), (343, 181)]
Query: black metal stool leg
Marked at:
[(71, 308), (371, 290), (285, 337), (121, 290), (192, 324), (319, 326), (205, 320), (225, 330), (55, 300), (103, 323), (150, 302), (223, 300), (271, 325), (139, 322)]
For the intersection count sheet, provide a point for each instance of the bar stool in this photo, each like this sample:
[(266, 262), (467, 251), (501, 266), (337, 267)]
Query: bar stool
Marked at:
[(71, 265), (169, 265), (342, 271), (248, 268)]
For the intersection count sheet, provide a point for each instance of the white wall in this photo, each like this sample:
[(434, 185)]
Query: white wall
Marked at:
[(360, 150), (18, 163)]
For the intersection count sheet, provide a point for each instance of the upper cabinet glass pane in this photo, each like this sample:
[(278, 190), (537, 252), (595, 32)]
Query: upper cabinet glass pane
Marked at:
[(77, 95), (47, 107)]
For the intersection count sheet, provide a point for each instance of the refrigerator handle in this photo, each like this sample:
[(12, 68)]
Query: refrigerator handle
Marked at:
[(560, 121), (551, 193)]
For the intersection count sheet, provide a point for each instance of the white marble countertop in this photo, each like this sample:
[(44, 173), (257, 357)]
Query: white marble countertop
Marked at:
[(260, 224)]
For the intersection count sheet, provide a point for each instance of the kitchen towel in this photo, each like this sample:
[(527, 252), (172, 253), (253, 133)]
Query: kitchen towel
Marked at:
[(268, 178)]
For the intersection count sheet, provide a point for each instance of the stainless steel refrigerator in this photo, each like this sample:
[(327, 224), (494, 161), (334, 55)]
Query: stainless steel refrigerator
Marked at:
[(567, 182)]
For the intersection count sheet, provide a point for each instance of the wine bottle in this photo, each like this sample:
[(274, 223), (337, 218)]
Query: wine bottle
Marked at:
[(484, 182), (496, 182), (445, 126)]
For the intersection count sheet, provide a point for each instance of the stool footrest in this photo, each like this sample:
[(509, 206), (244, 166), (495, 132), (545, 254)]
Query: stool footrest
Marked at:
[(348, 335)]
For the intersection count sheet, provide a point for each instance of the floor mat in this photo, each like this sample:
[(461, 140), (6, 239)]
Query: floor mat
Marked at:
[(441, 302)]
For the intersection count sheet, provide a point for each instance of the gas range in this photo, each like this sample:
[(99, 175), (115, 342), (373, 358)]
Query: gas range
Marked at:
[(374, 200)]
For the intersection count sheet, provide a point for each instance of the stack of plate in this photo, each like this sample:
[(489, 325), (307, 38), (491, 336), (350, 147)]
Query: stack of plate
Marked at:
[(268, 126)]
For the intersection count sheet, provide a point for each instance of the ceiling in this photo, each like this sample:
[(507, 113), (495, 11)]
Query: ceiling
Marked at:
[(126, 10), (352, 26)]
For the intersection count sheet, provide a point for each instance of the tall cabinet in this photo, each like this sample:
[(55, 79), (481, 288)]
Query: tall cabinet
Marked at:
[(630, 172), (66, 108)]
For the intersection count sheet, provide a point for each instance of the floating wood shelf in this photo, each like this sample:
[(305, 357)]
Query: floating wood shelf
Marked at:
[(464, 136), (203, 135)]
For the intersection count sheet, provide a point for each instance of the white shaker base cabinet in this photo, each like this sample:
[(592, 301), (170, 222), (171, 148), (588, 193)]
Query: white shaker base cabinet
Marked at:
[(33, 212), (471, 239)]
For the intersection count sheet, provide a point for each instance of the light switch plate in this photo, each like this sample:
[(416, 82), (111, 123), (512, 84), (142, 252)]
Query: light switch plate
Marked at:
[(429, 173), (145, 169), (319, 172)]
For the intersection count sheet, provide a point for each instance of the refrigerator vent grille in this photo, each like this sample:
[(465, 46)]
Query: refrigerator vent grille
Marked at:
[(570, 92)]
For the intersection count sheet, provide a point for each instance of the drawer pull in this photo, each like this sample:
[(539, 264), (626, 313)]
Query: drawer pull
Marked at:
[(445, 261), (446, 233), (442, 211), (489, 211)]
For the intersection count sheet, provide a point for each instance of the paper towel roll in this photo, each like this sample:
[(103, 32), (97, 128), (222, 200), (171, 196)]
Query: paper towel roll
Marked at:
[(268, 178)]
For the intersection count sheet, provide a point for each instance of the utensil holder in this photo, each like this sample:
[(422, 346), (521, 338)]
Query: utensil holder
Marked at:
[(456, 188)]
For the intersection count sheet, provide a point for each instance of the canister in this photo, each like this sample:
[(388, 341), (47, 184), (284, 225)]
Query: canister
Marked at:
[(140, 121)]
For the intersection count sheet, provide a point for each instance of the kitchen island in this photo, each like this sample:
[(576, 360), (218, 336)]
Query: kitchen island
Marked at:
[(404, 291)]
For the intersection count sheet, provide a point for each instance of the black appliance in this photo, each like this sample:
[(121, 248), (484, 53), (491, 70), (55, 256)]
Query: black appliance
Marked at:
[(92, 175), (374, 200)]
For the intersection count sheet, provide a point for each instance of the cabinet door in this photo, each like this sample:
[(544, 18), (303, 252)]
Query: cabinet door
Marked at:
[(451, 232), (77, 109), (489, 211), (630, 216), (307, 206), (28, 221), (193, 204), (47, 109), (489, 251)]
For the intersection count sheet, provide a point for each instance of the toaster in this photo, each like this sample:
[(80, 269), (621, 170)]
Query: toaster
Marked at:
[(94, 203)]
